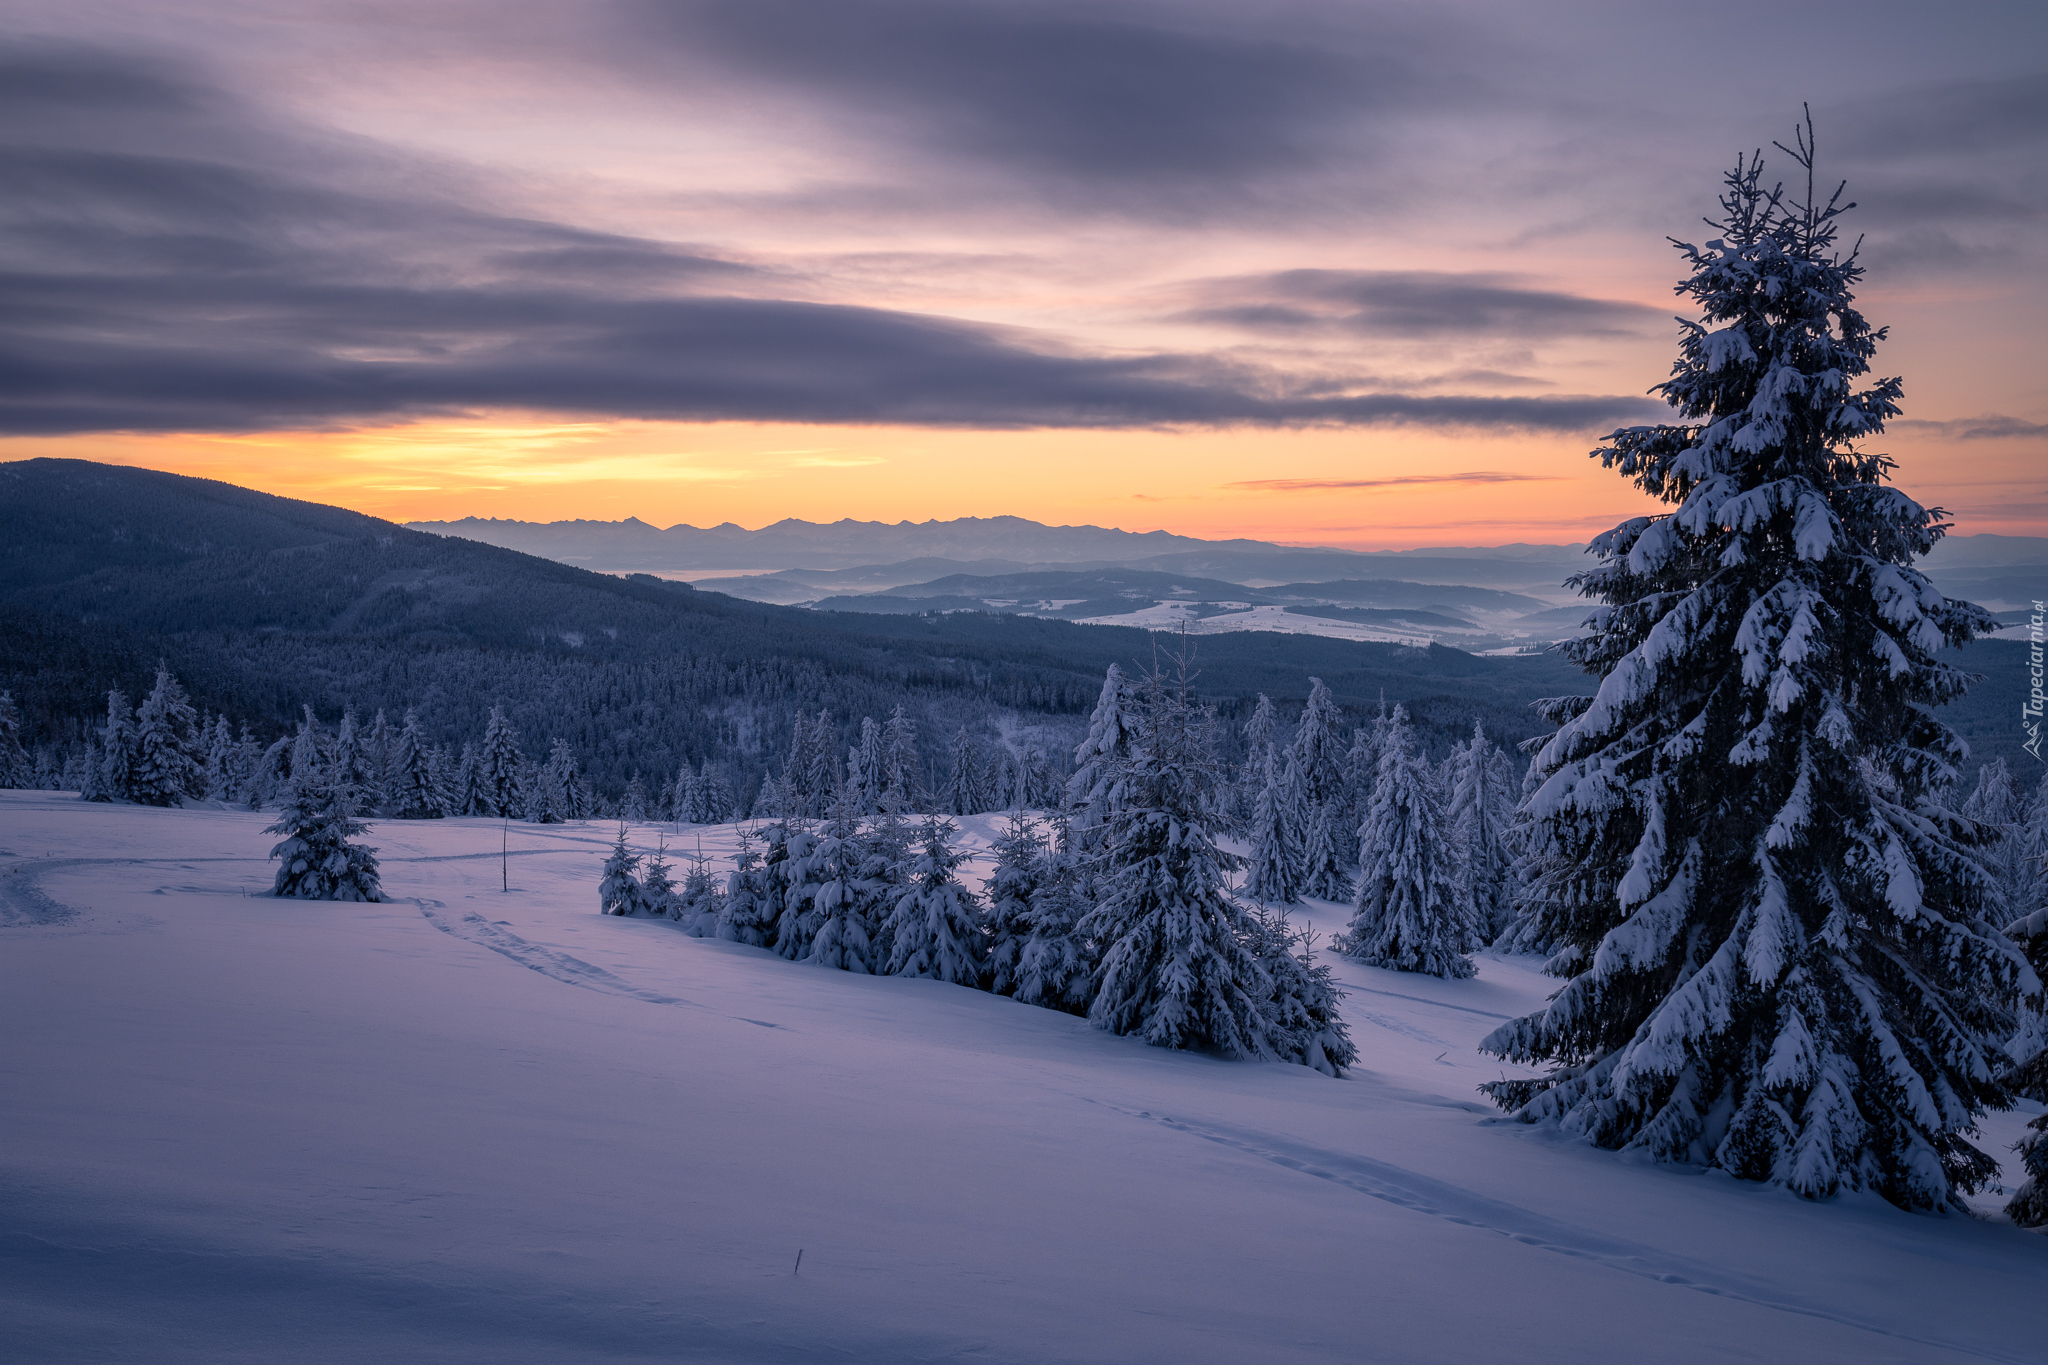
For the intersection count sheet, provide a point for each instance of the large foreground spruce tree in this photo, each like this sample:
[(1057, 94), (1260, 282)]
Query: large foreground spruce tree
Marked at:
[(1779, 944)]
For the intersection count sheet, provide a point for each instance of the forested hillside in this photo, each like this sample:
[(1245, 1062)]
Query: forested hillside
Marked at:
[(264, 605)]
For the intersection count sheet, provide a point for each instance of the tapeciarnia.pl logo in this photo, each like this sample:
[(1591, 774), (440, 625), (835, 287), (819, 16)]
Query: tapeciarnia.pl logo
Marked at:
[(2030, 709)]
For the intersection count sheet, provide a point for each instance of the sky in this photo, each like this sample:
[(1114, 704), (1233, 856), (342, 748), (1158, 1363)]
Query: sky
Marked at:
[(1353, 274)]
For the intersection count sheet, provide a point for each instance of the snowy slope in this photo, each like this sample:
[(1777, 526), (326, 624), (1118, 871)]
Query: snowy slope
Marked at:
[(483, 1125)]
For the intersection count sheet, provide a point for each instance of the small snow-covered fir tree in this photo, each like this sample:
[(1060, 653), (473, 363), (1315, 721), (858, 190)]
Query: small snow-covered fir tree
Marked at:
[(499, 766), (1176, 967), (747, 915), (935, 928), (316, 861), (697, 904), (349, 765), (884, 873), (1306, 1026), (556, 793), (16, 770), (618, 890), (1101, 761), (1775, 936), (166, 769), (902, 781), (310, 749), (658, 890), (1481, 817), (1275, 874), (1325, 871), (1999, 802), (864, 767), (1056, 968), (411, 790), (1411, 915), (466, 792), (2029, 1204), (633, 805), (273, 771), (1259, 734), (249, 785), (841, 935), (964, 793), (1020, 863), (377, 742), (796, 874), (218, 777), (116, 775)]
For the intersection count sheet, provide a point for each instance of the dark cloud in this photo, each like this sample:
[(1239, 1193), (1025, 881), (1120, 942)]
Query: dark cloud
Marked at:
[(1112, 103), (1952, 119), (1412, 304), (187, 271)]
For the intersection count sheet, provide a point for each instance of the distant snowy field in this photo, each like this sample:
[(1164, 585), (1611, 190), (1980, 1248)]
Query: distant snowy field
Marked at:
[(494, 1126)]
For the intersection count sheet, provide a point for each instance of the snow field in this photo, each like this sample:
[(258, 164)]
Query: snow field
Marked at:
[(479, 1125)]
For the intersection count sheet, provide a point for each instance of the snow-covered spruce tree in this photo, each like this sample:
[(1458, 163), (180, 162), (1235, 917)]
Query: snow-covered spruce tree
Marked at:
[(1481, 817), (498, 767), (1318, 760), (249, 785), (964, 791), (1259, 734), (864, 767), (1020, 863), (2031, 856), (1274, 873), (1177, 968), (348, 765), (841, 934), (658, 890), (1101, 760), (165, 769), (884, 873), (16, 770), (310, 750), (377, 742), (1779, 963), (219, 778), (316, 861), (2029, 1204), (746, 915), (411, 792), (935, 928), (556, 793), (619, 891), (115, 777), (902, 787), (1307, 1026), (1412, 914), (697, 905), (797, 874), (634, 804), (1056, 968), (2000, 803)]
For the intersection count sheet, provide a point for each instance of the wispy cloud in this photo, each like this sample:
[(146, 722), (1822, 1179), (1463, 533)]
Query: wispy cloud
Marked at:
[(1990, 427), (1309, 485), (1409, 304)]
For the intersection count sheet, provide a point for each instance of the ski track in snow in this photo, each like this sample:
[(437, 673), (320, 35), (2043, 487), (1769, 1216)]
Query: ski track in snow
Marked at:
[(474, 928), (1420, 1000), (1438, 1199)]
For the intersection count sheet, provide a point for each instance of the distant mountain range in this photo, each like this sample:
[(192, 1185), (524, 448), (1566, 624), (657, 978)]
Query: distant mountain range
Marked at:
[(880, 554), (1475, 597)]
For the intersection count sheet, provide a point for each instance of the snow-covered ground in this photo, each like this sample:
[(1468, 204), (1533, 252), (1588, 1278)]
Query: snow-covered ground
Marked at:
[(474, 1124)]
